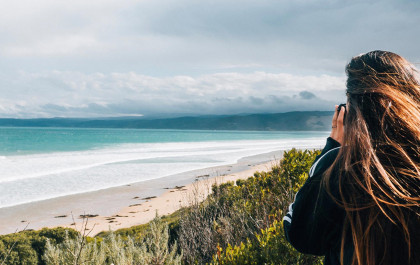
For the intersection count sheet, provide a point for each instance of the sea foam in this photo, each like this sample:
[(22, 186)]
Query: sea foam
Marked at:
[(34, 177)]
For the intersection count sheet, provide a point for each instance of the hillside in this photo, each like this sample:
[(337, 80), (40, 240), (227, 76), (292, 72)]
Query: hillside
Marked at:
[(296, 121)]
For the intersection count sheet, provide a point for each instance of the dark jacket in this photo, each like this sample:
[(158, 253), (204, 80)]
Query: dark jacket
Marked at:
[(314, 222)]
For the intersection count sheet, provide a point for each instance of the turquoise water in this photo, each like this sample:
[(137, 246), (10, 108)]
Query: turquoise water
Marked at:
[(44, 140), (44, 163)]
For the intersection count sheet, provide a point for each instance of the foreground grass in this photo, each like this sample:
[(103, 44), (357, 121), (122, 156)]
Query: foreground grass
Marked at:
[(239, 223)]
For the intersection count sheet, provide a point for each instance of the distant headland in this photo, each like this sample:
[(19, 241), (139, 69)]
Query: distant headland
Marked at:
[(288, 121)]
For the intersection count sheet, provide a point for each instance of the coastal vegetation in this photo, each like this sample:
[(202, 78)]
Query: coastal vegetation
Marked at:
[(238, 223)]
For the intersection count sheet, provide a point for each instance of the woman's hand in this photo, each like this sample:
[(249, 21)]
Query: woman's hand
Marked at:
[(337, 131)]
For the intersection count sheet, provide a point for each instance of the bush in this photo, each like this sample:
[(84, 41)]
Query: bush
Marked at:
[(27, 247), (270, 247), (137, 232), (153, 249), (235, 215), (17, 249)]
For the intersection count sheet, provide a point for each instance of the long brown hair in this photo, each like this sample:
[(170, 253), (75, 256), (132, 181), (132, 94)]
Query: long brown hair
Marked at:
[(378, 166)]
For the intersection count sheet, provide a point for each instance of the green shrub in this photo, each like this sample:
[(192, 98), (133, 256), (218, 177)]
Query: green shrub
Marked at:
[(235, 215), (270, 247), (27, 247), (113, 249), (18, 250), (73, 251), (137, 232), (155, 248)]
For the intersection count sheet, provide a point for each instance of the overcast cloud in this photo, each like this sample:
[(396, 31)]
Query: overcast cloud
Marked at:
[(160, 57)]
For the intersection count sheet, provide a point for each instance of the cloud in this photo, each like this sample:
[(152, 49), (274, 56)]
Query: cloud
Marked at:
[(110, 57), (61, 45), (307, 95), (162, 37), (74, 94)]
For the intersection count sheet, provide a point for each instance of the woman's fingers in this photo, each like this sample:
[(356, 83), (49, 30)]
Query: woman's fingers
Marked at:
[(340, 126), (334, 119), (334, 124), (337, 130), (340, 117)]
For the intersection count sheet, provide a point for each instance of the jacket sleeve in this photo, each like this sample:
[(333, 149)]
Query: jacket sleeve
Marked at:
[(314, 220)]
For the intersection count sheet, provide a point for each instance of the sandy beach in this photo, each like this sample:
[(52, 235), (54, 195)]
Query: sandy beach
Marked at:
[(167, 203), (133, 204)]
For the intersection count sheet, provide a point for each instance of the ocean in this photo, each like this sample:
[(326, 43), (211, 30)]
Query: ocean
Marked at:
[(44, 163)]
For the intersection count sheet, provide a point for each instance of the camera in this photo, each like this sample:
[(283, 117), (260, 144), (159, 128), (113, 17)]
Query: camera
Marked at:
[(341, 105)]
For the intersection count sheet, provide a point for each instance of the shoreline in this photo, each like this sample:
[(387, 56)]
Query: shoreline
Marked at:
[(144, 198), (167, 203)]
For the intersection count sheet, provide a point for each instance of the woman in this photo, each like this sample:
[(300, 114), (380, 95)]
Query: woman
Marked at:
[(361, 202)]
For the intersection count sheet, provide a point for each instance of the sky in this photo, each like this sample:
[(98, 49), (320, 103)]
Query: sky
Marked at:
[(165, 58)]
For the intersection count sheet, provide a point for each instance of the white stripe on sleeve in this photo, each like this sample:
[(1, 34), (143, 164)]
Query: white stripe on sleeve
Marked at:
[(312, 170), (311, 173)]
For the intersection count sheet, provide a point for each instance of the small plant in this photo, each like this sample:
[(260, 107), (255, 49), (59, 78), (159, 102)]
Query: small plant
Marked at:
[(153, 249)]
